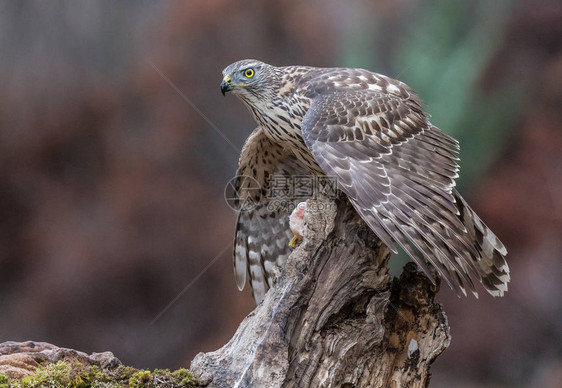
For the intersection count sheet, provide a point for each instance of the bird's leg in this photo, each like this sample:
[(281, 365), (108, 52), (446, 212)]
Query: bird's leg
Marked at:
[(296, 223)]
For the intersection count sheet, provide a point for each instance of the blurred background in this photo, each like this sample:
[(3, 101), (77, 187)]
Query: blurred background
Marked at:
[(116, 145)]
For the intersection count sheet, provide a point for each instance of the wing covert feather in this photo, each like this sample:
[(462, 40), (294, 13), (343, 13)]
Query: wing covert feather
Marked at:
[(399, 172)]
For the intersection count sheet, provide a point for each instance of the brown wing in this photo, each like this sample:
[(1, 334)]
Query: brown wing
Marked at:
[(399, 172), (262, 227)]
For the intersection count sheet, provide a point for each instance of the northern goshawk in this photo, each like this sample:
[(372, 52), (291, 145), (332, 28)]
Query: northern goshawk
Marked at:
[(370, 133)]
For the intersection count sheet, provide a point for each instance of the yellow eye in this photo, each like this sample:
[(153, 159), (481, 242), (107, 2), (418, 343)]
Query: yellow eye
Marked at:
[(249, 73)]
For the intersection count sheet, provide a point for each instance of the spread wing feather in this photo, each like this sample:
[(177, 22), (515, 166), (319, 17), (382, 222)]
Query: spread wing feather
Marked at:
[(262, 226), (399, 172)]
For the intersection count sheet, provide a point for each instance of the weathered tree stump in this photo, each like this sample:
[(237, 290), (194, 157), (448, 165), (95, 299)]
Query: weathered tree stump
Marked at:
[(335, 318)]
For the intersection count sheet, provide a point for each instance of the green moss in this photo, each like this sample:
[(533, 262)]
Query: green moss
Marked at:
[(4, 383), (65, 375), (141, 379), (185, 377), (126, 372), (62, 374)]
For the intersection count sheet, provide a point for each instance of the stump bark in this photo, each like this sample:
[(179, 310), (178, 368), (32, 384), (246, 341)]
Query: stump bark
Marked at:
[(335, 318)]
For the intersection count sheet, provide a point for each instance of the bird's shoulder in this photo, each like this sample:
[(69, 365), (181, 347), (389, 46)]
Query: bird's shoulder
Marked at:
[(316, 81)]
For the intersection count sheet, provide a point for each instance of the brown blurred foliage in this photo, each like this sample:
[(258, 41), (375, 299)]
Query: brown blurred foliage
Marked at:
[(111, 183)]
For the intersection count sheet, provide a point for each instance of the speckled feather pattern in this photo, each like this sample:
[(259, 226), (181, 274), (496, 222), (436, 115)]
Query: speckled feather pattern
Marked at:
[(397, 169)]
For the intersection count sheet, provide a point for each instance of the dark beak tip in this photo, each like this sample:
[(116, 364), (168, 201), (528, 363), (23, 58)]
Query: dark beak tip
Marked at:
[(225, 87)]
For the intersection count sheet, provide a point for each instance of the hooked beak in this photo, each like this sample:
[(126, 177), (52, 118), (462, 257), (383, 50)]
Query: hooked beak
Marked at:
[(226, 84)]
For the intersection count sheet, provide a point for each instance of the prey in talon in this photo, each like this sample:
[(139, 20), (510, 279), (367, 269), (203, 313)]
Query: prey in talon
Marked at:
[(296, 224)]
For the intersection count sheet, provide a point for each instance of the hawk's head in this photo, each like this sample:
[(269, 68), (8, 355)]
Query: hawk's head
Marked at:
[(253, 81)]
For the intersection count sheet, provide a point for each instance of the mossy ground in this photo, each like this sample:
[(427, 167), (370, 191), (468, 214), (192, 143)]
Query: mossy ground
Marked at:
[(66, 375), (4, 381)]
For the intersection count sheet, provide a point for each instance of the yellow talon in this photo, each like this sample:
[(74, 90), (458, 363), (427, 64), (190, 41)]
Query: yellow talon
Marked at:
[(293, 242)]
